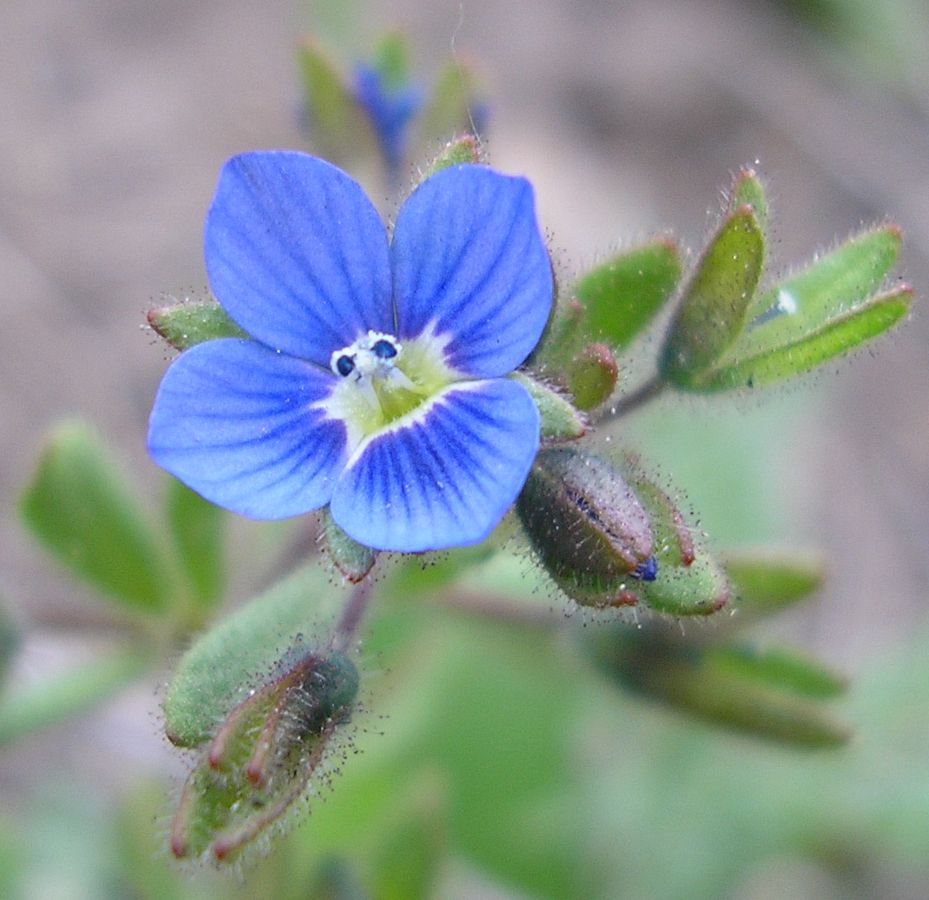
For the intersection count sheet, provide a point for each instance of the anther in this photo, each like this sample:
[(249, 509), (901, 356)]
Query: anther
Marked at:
[(384, 349), (345, 365)]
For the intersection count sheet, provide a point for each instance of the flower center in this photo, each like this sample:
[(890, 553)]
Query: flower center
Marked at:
[(383, 380)]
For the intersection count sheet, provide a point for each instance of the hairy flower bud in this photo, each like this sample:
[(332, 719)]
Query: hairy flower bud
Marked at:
[(692, 582), (587, 526), (264, 753), (776, 696), (592, 376), (352, 559)]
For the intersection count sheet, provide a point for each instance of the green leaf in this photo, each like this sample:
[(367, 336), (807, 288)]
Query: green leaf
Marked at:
[(748, 190), (407, 863), (185, 324), (352, 559), (198, 530), (786, 670), (819, 313), (219, 669), (829, 285), (559, 420), (712, 312), (622, 295), (70, 693), (765, 582), (86, 515), (339, 128), (754, 361)]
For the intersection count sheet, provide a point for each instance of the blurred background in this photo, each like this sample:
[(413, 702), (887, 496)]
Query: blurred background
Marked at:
[(628, 118)]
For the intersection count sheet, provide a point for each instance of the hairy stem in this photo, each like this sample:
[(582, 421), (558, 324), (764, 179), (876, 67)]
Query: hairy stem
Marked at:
[(644, 393), (352, 615)]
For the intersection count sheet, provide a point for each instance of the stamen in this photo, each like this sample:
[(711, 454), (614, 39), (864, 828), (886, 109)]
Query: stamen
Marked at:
[(384, 349), (374, 354)]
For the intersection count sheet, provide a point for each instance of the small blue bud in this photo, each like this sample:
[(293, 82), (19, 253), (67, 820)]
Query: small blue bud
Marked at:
[(390, 109), (646, 571)]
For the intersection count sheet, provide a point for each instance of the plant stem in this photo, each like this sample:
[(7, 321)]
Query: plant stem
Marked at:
[(644, 393), (502, 610), (352, 615)]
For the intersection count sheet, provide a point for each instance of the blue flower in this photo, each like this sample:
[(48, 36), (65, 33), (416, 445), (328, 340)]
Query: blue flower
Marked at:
[(390, 109), (375, 376)]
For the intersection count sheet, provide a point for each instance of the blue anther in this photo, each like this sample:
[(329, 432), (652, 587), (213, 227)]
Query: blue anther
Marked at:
[(384, 349)]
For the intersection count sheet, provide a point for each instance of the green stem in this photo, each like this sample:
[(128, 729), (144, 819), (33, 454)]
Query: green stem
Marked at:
[(644, 393), (352, 615), (502, 610)]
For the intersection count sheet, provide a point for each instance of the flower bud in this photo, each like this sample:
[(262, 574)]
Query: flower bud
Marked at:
[(352, 559), (748, 190), (558, 419), (587, 526), (592, 376), (264, 753), (464, 149), (778, 697), (190, 322), (691, 581)]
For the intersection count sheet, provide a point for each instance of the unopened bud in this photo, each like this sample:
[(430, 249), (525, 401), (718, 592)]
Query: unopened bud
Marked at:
[(263, 754), (748, 190), (592, 376), (464, 149), (192, 322), (558, 419), (352, 559), (587, 526), (690, 581), (776, 697)]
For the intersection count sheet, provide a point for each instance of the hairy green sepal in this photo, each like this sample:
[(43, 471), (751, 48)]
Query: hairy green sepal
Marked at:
[(714, 305), (237, 655)]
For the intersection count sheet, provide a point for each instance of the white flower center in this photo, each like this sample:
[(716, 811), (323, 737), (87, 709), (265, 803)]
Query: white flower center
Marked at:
[(375, 354), (382, 381)]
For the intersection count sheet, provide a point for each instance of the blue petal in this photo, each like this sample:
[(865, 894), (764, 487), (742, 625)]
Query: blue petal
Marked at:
[(444, 478), (236, 422), (297, 255), (469, 258)]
